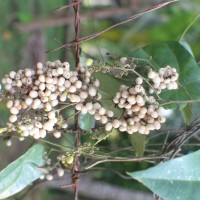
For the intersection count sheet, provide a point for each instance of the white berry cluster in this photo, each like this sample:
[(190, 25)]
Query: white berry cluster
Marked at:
[(38, 126), (142, 113), (43, 89), (165, 78)]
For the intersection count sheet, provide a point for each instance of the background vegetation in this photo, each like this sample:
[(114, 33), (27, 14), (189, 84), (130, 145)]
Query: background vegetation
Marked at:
[(29, 28)]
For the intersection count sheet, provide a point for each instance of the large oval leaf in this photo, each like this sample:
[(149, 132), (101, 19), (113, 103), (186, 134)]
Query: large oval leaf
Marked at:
[(23, 171), (174, 54), (175, 179)]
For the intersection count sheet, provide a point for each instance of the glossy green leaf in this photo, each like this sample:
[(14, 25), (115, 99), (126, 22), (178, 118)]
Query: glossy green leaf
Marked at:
[(22, 172), (176, 179), (174, 54), (138, 142), (86, 121)]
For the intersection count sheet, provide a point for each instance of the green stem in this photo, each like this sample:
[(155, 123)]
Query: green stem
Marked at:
[(188, 27)]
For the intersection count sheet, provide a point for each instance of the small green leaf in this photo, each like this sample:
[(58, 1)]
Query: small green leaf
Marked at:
[(86, 121), (178, 178), (22, 172), (138, 142)]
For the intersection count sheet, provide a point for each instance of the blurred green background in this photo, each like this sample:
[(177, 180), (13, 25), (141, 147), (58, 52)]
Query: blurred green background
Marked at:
[(28, 28)]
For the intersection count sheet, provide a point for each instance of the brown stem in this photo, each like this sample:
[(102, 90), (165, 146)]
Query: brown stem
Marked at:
[(75, 169), (76, 25)]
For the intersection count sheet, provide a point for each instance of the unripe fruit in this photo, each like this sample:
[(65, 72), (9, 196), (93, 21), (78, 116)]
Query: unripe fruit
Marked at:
[(28, 72), (122, 128), (38, 124), (89, 106), (104, 119), (65, 125), (8, 143), (102, 111), (42, 133), (39, 65), (122, 100), (97, 116), (13, 118), (139, 99), (151, 74), (157, 125), (60, 172), (72, 89), (91, 112), (78, 106), (9, 104), (125, 94), (131, 99), (12, 74), (67, 84), (8, 86), (61, 81), (108, 126), (60, 70), (138, 88), (63, 97), (54, 103), (110, 113), (74, 98), (116, 123), (96, 83), (48, 107), (154, 114), (139, 80), (123, 60), (69, 159), (51, 115), (92, 92), (57, 134), (14, 110), (49, 177), (78, 84), (83, 95), (156, 80), (33, 94), (42, 78), (42, 86)]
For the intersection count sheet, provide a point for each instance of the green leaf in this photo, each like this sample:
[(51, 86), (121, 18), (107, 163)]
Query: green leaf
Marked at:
[(86, 121), (178, 178), (187, 114), (109, 86), (174, 54), (186, 46), (138, 142), (22, 172)]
